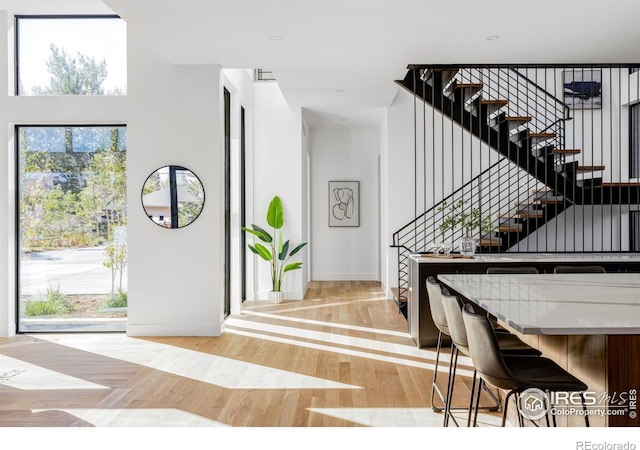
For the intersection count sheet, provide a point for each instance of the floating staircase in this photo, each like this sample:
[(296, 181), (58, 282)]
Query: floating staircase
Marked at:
[(535, 145)]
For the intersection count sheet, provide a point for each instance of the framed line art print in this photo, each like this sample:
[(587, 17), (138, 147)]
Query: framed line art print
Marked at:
[(344, 203)]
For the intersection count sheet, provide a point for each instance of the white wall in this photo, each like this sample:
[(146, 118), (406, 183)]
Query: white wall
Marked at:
[(173, 116), (345, 154), (176, 277), (398, 193), (278, 169), (385, 235), (7, 195)]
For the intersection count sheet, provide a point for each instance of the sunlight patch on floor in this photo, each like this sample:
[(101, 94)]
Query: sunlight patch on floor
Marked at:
[(147, 417), (212, 369), (346, 351), (326, 324), (288, 306), (407, 350), (350, 341), (22, 375)]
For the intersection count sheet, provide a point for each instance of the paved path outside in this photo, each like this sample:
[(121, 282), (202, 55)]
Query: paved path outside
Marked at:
[(75, 271)]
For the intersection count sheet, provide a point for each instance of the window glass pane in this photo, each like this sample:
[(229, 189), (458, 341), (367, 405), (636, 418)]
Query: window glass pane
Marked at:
[(634, 166), (71, 56), (635, 231), (190, 197), (73, 217)]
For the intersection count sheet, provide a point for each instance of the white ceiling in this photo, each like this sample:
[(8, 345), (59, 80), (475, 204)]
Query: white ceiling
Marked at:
[(338, 59)]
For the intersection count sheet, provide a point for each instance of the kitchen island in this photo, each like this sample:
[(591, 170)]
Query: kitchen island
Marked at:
[(588, 323)]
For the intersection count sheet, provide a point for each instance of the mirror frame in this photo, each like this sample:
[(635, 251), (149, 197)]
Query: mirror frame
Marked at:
[(173, 193)]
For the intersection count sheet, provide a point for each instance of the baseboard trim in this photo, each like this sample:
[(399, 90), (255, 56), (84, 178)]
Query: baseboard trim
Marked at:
[(345, 277), (201, 329)]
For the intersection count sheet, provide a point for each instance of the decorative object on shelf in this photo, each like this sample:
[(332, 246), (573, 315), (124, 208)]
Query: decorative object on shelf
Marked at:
[(344, 203), (467, 244), (446, 248), (172, 197), (469, 219), (276, 252)]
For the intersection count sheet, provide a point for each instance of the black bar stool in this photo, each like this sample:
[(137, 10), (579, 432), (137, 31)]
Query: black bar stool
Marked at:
[(513, 373), (509, 345)]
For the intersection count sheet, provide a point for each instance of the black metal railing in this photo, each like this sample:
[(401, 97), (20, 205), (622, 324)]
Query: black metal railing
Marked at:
[(557, 144)]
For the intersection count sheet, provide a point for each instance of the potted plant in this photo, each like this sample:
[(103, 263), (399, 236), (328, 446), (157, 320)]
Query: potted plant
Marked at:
[(276, 252), (468, 219)]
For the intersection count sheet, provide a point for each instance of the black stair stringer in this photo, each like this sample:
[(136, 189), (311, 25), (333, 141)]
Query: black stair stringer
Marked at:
[(501, 142)]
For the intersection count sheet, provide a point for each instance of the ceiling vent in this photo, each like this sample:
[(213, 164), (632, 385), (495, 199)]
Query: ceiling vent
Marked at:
[(263, 75)]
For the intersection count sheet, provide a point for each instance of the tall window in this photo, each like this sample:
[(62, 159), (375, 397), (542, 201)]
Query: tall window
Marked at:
[(71, 55), (227, 202), (634, 141), (635, 231), (72, 253)]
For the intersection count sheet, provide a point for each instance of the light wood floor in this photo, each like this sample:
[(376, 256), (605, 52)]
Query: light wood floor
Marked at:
[(342, 357)]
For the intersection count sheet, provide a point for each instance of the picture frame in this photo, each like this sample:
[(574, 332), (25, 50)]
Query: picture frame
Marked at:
[(582, 88), (344, 203)]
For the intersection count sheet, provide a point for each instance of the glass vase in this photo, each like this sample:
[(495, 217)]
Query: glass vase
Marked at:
[(467, 244)]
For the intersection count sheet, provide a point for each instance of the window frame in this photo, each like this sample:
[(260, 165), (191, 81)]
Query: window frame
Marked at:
[(634, 141), (16, 37), (17, 219)]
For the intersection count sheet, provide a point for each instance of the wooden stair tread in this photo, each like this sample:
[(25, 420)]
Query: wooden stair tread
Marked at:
[(567, 151), (541, 201), (520, 118), (494, 102), (622, 184), (529, 215), (490, 242), (469, 85), (510, 228), (587, 168), (542, 135)]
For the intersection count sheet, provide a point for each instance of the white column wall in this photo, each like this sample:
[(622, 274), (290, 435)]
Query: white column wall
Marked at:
[(345, 154), (397, 159), (278, 169), (386, 253), (7, 195), (240, 85), (176, 277)]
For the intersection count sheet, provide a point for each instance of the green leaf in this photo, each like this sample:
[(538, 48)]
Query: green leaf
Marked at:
[(297, 249), (275, 214), (283, 251), (264, 252), (292, 266), (253, 249), (262, 234)]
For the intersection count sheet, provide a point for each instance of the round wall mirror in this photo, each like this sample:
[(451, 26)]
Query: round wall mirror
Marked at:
[(172, 197)]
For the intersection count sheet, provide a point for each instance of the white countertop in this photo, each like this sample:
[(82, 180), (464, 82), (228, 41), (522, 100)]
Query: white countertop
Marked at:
[(556, 304), (530, 257)]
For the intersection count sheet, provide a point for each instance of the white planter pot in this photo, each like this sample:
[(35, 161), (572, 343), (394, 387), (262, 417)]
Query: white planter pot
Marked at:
[(276, 296)]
